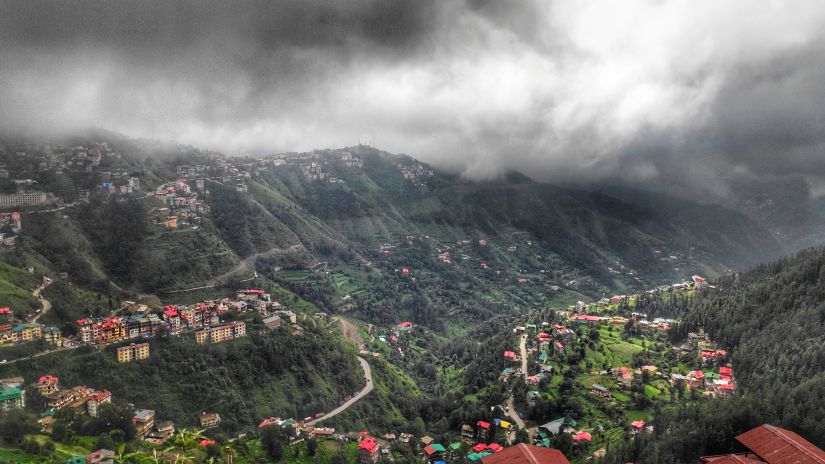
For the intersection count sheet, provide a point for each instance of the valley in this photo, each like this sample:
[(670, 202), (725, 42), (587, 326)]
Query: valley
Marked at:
[(447, 319)]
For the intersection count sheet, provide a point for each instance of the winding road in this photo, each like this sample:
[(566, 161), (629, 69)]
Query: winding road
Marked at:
[(351, 332), (364, 392)]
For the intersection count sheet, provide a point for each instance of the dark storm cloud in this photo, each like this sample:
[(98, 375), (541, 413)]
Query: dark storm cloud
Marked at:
[(674, 95)]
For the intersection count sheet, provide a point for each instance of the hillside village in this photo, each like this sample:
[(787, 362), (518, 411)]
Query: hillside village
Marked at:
[(539, 359), (573, 376)]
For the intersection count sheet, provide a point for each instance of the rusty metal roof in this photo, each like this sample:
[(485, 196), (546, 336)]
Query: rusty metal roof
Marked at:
[(776, 445)]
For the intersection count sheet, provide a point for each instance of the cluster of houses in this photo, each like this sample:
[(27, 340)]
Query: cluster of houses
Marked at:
[(10, 227), (203, 318), (80, 398), (640, 320), (314, 166), (416, 173), (395, 334), (719, 384), (24, 332), (98, 159), (700, 343), (182, 203), (88, 401), (475, 444), (34, 157), (129, 185)]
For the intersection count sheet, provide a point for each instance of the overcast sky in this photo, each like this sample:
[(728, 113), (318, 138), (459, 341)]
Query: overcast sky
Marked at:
[(684, 94)]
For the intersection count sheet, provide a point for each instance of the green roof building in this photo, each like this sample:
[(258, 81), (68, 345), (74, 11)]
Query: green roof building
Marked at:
[(12, 398)]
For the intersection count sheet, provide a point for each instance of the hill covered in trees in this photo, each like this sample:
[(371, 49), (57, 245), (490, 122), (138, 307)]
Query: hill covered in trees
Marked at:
[(772, 319)]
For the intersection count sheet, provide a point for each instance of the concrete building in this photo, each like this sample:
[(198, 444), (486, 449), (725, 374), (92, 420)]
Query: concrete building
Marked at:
[(209, 420), (22, 199), (12, 398), (132, 352)]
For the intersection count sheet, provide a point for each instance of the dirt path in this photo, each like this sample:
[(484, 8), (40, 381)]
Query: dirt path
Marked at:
[(351, 332), (248, 263), (45, 305)]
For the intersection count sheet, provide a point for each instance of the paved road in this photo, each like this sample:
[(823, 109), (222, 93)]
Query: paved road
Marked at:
[(45, 305), (511, 409), (38, 355), (364, 392), (523, 349)]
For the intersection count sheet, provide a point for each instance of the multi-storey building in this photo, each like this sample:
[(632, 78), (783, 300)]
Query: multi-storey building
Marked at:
[(6, 333), (144, 420), (27, 332), (12, 398), (48, 385), (221, 333), (114, 329), (172, 318), (132, 352), (22, 199), (53, 336), (61, 399), (97, 399), (209, 420)]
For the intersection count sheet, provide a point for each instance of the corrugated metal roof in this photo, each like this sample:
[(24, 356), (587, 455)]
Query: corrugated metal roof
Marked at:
[(526, 454), (779, 446), (732, 459)]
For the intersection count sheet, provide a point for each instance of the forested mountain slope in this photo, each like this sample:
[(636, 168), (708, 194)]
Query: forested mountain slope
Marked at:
[(772, 319), (586, 232)]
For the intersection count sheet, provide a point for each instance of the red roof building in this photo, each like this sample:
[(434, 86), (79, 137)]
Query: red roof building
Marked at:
[(526, 454), (638, 424), (495, 447), (772, 445), (482, 424), (510, 355), (582, 436), (368, 450), (267, 422), (776, 445), (47, 379), (744, 458), (368, 444)]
